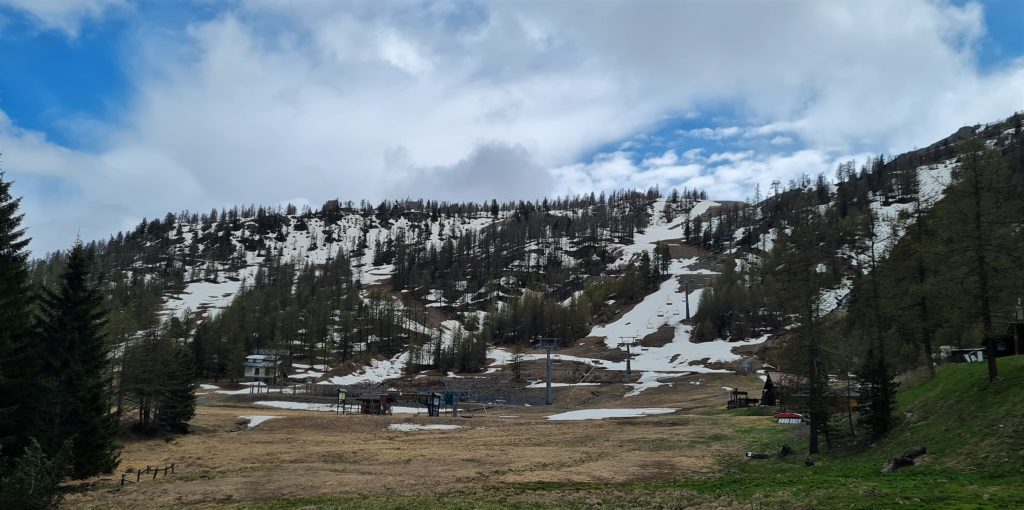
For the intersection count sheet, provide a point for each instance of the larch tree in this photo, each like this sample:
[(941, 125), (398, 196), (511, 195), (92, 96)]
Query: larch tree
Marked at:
[(980, 218)]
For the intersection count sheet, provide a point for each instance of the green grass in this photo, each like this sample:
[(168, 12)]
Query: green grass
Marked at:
[(974, 433)]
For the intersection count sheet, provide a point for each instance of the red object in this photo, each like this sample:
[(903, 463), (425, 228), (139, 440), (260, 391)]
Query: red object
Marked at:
[(779, 416)]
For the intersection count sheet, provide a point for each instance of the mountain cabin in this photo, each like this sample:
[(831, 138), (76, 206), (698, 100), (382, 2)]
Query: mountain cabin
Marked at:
[(264, 368)]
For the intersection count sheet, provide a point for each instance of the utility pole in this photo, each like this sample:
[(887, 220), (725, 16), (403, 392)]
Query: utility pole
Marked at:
[(686, 292), (628, 342), (548, 344)]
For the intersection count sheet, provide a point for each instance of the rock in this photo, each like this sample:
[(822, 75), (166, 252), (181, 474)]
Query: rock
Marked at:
[(786, 451)]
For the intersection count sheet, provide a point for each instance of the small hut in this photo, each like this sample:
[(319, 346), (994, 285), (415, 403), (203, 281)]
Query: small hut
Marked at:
[(780, 387)]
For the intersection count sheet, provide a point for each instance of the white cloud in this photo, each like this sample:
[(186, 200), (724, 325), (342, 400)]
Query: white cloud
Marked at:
[(713, 133), (731, 157), (666, 159), (693, 154), (65, 15), (273, 99)]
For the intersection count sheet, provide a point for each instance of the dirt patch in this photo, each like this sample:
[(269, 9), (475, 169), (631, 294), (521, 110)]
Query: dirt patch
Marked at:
[(594, 347), (678, 250), (660, 338)]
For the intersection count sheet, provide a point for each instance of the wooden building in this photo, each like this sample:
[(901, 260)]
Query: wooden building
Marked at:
[(780, 387), (790, 391), (739, 399)]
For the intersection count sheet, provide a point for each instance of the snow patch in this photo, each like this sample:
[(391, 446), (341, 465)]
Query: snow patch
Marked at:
[(255, 421), (601, 414), (414, 427)]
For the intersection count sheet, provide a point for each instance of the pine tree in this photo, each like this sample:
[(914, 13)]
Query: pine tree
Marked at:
[(878, 395), (18, 365), (516, 362), (76, 404), (178, 402)]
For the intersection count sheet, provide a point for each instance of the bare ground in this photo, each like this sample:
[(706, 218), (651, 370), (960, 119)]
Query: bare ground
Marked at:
[(310, 454)]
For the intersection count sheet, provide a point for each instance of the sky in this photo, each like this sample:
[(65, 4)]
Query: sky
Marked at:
[(116, 110)]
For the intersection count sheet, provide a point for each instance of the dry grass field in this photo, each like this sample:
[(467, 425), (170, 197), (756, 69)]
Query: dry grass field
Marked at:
[(315, 454)]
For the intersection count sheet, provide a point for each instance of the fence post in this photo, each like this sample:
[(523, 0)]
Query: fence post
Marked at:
[(172, 468), (122, 478), (138, 473)]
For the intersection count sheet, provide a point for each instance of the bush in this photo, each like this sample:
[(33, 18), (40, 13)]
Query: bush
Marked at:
[(32, 481)]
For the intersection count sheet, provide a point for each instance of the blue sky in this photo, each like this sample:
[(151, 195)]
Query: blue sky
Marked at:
[(115, 110)]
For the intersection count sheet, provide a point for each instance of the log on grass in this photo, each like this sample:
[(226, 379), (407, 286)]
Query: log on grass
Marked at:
[(907, 459)]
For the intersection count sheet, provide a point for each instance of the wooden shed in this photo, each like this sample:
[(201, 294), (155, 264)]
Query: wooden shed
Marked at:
[(779, 386)]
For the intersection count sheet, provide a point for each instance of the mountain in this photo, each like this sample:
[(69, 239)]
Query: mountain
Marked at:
[(362, 293)]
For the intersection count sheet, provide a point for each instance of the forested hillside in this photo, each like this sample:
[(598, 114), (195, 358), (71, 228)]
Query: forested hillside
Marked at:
[(882, 253)]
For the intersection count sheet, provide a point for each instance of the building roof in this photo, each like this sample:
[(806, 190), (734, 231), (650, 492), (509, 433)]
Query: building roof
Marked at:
[(784, 379), (262, 360)]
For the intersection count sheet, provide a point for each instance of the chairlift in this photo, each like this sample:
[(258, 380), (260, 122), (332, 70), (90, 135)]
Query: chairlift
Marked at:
[(675, 311), (650, 325), (661, 313)]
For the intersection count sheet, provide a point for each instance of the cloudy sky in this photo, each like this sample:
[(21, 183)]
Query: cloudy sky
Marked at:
[(115, 110)]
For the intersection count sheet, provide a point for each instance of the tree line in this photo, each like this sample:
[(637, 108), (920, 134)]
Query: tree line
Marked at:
[(58, 416), (946, 270)]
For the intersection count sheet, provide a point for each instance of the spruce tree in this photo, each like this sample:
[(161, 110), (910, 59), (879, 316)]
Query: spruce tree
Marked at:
[(177, 404), (76, 403), (17, 362), (879, 395)]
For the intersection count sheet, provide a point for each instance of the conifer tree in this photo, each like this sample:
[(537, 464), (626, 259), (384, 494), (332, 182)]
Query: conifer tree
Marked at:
[(800, 287), (17, 369), (178, 403), (158, 381), (979, 220), (76, 403), (879, 395)]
